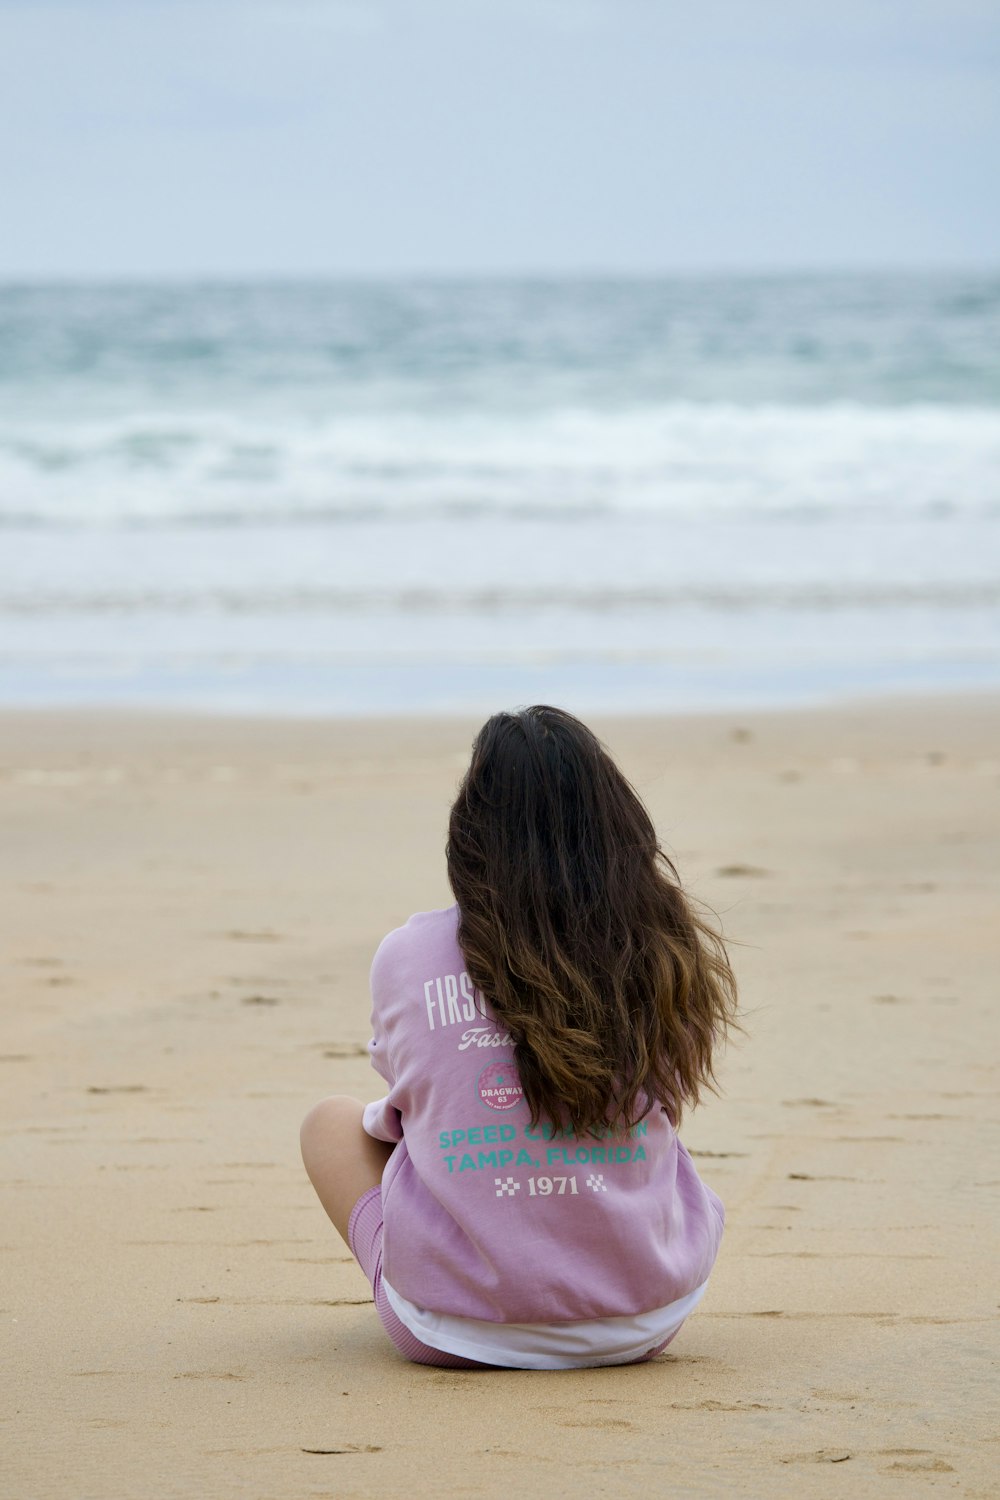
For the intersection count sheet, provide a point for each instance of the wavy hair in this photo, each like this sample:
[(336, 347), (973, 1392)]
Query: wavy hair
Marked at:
[(574, 926)]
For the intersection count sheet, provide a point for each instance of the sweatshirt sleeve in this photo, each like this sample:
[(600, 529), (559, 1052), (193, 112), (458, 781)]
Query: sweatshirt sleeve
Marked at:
[(381, 1118)]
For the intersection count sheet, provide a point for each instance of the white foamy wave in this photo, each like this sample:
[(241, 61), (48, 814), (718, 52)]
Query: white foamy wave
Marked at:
[(406, 603), (193, 467)]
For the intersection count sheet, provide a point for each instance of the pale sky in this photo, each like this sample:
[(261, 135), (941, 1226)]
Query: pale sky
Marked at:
[(287, 137)]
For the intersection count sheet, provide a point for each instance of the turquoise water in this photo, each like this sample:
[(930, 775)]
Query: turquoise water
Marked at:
[(371, 497)]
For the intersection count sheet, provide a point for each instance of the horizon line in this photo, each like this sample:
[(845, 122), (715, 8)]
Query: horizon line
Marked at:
[(902, 270)]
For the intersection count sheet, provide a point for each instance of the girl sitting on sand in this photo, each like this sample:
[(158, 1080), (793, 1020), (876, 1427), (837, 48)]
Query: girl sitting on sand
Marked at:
[(520, 1196)]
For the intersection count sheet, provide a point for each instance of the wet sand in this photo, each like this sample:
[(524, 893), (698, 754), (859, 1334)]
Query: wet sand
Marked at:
[(189, 909)]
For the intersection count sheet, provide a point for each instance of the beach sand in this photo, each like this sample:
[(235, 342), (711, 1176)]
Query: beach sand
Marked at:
[(190, 908)]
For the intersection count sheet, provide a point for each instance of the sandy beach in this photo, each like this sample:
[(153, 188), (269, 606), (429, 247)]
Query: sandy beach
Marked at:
[(190, 907)]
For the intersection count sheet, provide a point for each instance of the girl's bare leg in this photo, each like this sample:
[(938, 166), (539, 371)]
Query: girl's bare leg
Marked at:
[(342, 1160)]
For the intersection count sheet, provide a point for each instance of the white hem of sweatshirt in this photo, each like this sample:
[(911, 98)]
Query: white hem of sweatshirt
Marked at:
[(546, 1346)]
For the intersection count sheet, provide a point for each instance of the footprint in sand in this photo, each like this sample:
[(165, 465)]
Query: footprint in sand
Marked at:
[(606, 1424), (914, 1461), (742, 872), (810, 1177), (820, 1456), (345, 1448), (712, 1405)]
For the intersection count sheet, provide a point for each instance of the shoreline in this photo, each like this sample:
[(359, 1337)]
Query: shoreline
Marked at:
[(193, 902), (589, 692), (963, 699)]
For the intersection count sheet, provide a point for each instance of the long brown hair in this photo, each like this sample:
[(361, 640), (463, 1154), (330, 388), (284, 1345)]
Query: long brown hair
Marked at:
[(574, 926)]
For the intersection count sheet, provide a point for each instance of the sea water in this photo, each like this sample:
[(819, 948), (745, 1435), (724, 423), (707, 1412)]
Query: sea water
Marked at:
[(437, 496)]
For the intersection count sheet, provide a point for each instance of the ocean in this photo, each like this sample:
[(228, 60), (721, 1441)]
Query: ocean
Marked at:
[(453, 496)]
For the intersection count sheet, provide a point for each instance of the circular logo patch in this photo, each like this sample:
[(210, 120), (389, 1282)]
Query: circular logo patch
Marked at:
[(499, 1086)]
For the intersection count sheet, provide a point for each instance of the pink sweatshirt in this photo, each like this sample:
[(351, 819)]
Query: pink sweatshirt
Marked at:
[(487, 1218)]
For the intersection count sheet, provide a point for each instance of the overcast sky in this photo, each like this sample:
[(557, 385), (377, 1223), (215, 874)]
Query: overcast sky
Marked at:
[(380, 136)]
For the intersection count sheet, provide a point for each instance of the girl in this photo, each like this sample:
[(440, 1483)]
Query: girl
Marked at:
[(520, 1196)]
